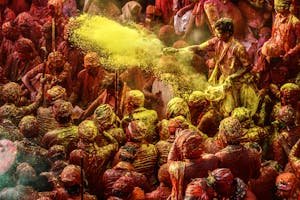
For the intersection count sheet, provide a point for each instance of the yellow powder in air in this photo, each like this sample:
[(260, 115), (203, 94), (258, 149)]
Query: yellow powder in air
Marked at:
[(121, 47)]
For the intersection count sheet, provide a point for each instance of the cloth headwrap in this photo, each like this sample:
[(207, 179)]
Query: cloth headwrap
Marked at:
[(136, 97), (29, 126), (123, 186), (105, 114), (222, 174), (55, 93), (285, 181), (71, 175), (286, 114), (256, 4), (24, 170), (55, 55), (137, 130), (6, 28), (87, 130), (24, 18), (290, 87), (56, 151), (11, 91), (165, 32), (197, 189), (197, 97), (282, 2), (178, 106), (25, 45), (232, 129), (179, 122), (57, 5), (241, 113), (62, 108), (180, 44), (186, 137), (92, 57)]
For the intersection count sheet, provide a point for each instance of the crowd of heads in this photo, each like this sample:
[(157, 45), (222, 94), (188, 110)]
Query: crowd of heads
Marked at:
[(72, 129)]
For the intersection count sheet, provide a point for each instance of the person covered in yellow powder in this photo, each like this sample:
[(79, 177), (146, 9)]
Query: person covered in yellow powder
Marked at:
[(135, 111), (229, 78)]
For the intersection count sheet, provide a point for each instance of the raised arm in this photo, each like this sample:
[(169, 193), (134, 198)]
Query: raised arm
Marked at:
[(30, 75)]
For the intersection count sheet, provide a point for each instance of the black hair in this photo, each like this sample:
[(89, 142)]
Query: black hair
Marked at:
[(225, 25)]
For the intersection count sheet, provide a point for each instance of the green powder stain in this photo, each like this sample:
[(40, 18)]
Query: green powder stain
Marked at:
[(122, 47)]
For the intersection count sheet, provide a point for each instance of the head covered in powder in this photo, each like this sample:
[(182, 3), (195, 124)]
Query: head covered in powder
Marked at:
[(55, 60), (257, 3), (241, 113), (104, 117), (29, 126), (91, 59), (197, 98), (137, 131), (231, 128), (187, 145), (176, 107), (62, 111), (224, 26), (71, 176), (286, 115), (87, 131), (286, 183), (10, 31), (223, 180), (25, 47), (290, 94), (282, 5), (25, 173), (177, 124), (55, 93), (131, 11), (134, 99), (11, 92)]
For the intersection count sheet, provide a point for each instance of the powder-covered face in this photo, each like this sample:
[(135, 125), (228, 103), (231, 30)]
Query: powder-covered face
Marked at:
[(285, 185), (223, 36), (284, 189)]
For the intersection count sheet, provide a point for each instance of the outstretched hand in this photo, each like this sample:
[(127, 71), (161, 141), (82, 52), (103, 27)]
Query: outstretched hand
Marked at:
[(170, 50)]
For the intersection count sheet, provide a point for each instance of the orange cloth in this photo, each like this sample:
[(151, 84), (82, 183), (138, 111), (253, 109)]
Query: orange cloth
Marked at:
[(164, 7)]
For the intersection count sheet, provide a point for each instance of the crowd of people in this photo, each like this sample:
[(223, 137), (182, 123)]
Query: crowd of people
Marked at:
[(71, 129)]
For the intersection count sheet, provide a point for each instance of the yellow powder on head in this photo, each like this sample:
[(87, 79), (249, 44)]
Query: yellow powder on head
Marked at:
[(122, 47)]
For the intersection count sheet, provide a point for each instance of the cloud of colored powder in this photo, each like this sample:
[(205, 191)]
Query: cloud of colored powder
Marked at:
[(122, 47), (119, 46)]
